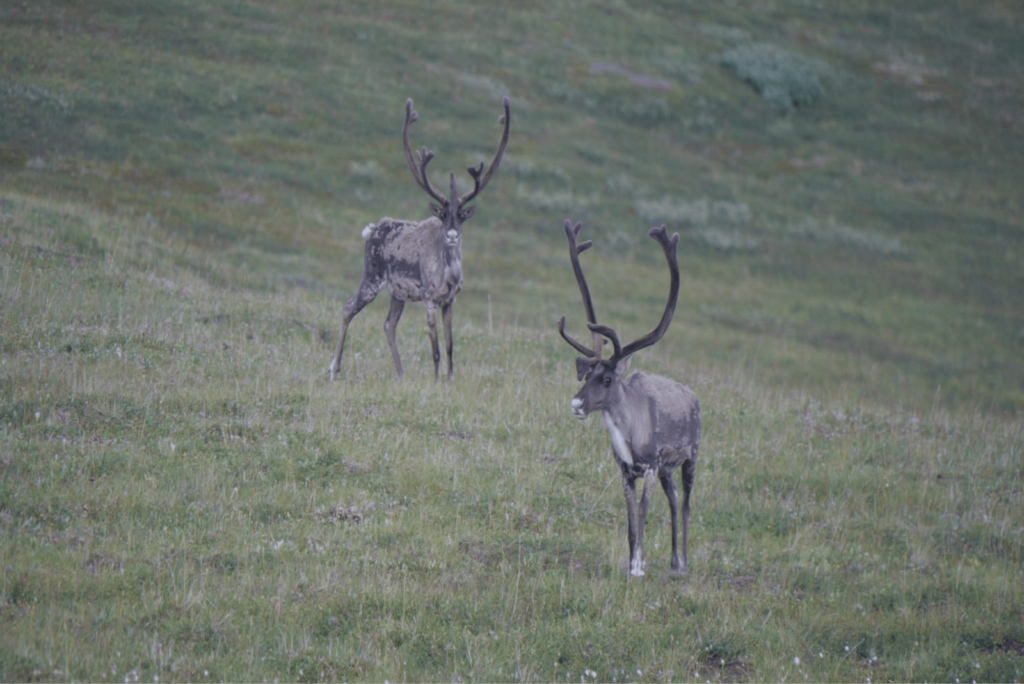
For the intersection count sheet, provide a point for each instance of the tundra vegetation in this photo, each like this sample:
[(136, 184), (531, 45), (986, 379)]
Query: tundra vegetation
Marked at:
[(184, 495)]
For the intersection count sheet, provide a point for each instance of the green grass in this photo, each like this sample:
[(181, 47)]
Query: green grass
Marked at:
[(184, 496)]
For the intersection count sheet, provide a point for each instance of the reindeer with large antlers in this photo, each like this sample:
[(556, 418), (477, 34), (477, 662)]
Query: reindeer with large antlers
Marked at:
[(653, 422), (419, 261)]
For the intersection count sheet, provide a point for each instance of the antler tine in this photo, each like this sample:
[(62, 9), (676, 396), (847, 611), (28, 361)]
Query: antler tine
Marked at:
[(425, 158), (571, 233), (669, 247), (610, 334), (589, 353), (419, 174), (410, 116), (475, 172), (575, 232), (479, 183)]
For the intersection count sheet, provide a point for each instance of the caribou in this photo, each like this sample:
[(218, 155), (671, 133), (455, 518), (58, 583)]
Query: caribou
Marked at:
[(419, 261), (653, 422)]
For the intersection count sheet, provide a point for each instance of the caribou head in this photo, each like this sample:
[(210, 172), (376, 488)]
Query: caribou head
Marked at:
[(452, 210), (603, 376)]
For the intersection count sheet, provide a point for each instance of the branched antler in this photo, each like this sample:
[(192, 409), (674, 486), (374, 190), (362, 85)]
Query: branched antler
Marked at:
[(571, 233), (479, 183), (419, 168), (419, 172), (669, 247)]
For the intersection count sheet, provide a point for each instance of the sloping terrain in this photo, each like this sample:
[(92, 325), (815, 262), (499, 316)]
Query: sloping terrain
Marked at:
[(184, 496)]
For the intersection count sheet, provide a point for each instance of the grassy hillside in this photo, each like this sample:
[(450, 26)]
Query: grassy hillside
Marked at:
[(184, 496), (870, 241)]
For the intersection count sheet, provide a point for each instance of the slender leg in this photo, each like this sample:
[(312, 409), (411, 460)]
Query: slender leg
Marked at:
[(366, 293), (638, 558), (390, 326), (687, 474), (432, 325), (629, 488), (446, 319), (673, 505)]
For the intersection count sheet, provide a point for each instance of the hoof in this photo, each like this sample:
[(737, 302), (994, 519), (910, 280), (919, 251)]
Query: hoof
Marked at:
[(677, 567)]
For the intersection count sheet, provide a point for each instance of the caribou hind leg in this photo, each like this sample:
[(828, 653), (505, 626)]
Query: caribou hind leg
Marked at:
[(366, 293), (687, 475), (677, 567)]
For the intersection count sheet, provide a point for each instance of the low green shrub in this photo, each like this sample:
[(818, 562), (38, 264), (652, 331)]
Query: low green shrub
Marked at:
[(782, 78)]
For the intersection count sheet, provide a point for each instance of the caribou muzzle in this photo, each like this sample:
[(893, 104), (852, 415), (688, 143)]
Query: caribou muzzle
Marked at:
[(577, 408)]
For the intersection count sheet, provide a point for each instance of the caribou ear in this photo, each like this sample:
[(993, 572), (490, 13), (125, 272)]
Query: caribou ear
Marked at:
[(436, 210), (622, 367), (583, 366)]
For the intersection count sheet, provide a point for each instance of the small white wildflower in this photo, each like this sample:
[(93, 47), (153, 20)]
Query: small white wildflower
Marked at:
[(846, 648), (206, 673), (37, 415), (639, 673), (820, 654), (796, 660), (117, 350)]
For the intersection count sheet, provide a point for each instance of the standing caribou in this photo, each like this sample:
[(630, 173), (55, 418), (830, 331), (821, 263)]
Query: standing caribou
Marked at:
[(653, 422), (419, 260)]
